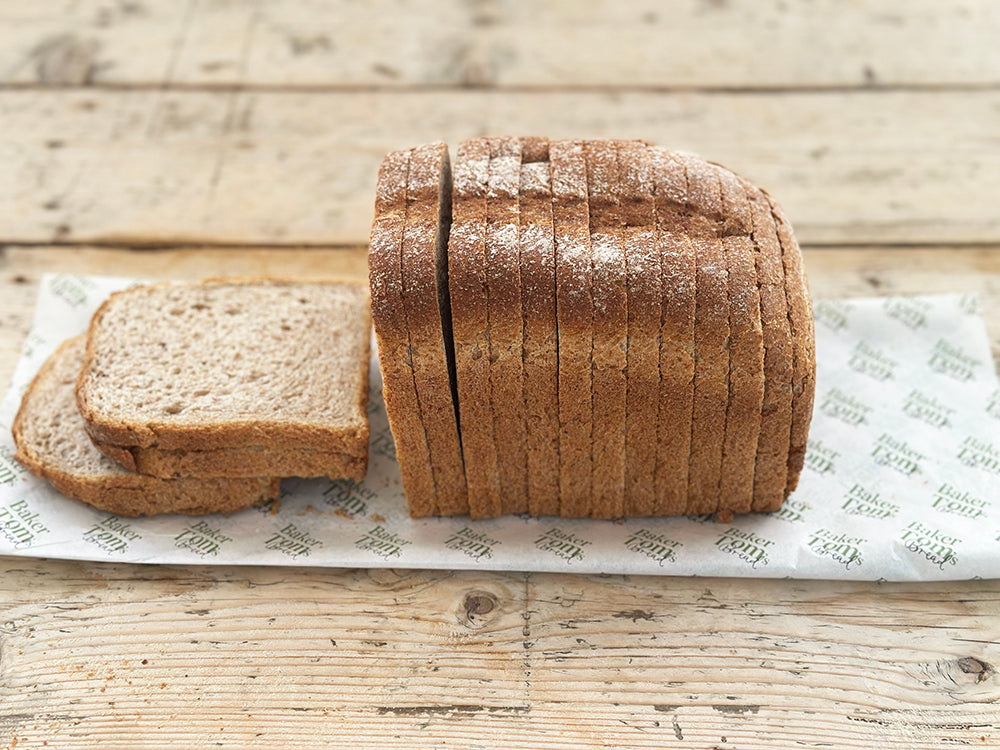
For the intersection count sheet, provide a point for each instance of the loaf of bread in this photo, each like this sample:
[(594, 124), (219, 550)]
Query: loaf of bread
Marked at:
[(627, 332)]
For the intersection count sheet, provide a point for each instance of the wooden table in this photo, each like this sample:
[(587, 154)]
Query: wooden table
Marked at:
[(175, 140)]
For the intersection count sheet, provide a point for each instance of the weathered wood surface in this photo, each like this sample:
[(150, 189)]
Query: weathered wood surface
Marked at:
[(686, 44), (275, 167)]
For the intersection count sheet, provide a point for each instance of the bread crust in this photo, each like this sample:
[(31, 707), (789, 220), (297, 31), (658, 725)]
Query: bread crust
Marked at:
[(642, 263), (610, 315), (503, 280), (574, 313), (424, 261), (116, 490), (676, 342), (541, 340), (471, 325), (771, 461), (746, 351)]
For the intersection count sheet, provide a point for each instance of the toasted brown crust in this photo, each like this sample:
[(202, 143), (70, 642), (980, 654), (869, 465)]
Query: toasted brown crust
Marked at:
[(746, 351), (803, 344), (471, 325), (392, 335), (503, 280), (574, 312), (428, 216), (130, 494), (677, 320), (771, 461), (108, 428), (609, 359), (642, 262), (538, 303), (711, 337)]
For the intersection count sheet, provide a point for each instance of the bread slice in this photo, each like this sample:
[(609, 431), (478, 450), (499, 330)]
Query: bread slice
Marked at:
[(746, 352), (52, 442), (392, 336), (711, 336), (803, 335), (610, 323), (676, 343), (503, 281), (471, 325), (771, 461), (428, 316), (642, 263), (269, 364), (541, 339), (574, 311)]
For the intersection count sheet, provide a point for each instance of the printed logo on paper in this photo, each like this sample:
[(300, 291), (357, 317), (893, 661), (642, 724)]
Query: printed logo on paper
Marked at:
[(845, 407), (993, 404), (791, 510), (872, 362), (348, 497), (471, 543), (73, 290), (932, 544), (980, 454), (292, 541), (820, 458), (657, 547), (951, 499), (382, 444), (841, 548), (910, 311), (202, 539), (112, 534), (10, 469), (968, 303), (897, 455), (562, 544), (751, 548), (382, 542), (860, 501), (19, 525), (832, 314), (927, 409), (948, 359)]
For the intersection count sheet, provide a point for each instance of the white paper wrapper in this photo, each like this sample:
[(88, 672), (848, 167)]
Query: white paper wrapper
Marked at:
[(902, 478)]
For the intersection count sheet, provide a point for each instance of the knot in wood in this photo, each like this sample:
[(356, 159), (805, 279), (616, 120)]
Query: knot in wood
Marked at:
[(476, 605)]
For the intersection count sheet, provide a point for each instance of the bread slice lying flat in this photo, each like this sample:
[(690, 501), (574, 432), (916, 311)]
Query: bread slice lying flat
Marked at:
[(231, 378), (52, 442)]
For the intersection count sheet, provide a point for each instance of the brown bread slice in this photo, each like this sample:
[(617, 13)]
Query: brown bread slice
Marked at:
[(471, 325), (52, 442), (208, 366), (711, 336), (771, 461), (574, 311), (393, 337), (803, 344), (538, 301), (746, 352), (428, 317), (676, 344), (610, 322), (642, 262), (506, 338)]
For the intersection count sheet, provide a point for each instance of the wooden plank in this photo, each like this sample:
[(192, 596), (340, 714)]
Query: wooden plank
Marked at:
[(142, 656), (689, 44), (290, 168)]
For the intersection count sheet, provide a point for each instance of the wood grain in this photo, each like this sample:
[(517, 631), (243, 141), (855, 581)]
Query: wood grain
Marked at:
[(587, 43), (169, 167)]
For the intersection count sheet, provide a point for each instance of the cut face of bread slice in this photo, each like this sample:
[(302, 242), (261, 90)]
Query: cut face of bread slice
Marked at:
[(746, 351), (278, 365), (503, 280), (392, 335), (677, 321), (574, 311), (541, 341), (428, 315), (610, 322), (53, 444), (471, 325)]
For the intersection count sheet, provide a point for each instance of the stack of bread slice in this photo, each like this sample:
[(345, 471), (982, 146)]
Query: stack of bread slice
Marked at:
[(588, 329), (198, 397)]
